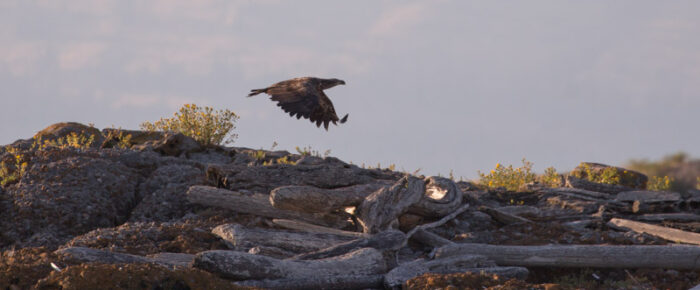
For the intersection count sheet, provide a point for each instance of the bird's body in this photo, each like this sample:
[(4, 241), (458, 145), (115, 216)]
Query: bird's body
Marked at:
[(304, 97)]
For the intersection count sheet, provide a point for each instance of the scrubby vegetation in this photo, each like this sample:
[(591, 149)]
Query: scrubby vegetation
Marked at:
[(677, 172), (513, 178), (204, 124)]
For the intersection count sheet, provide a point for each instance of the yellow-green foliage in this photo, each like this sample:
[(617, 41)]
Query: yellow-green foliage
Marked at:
[(123, 139), (308, 151), (201, 123), (508, 177), (12, 171), (609, 175), (660, 183), (72, 140), (550, 178), (679, 166)]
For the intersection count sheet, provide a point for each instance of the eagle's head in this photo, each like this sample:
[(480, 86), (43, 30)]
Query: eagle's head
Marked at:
[(329, 83)]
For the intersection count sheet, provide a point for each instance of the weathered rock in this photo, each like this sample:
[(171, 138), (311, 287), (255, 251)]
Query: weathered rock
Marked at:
[(580, 183), (626, 177), (174, 145), (164, 192), (153, 237), (66, 193)]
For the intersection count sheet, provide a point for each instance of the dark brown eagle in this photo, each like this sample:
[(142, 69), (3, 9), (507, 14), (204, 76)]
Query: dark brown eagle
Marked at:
[(304, 97)]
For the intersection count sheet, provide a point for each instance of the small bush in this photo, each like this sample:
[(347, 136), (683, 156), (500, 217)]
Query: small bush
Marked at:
[(72, 140), (508, 177), (608, 175), (660, 183), (201, 123), (308, 151), (12, 171)]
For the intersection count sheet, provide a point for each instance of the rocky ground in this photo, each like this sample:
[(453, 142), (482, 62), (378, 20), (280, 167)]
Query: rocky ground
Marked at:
[(159, 211)]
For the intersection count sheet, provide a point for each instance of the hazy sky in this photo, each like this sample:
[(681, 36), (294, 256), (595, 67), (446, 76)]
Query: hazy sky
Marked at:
[(436, 85)]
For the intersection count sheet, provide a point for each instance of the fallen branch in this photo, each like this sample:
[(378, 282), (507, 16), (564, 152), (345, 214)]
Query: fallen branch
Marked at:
[(503, 217), (580, 256), (435, 224), (295, 242), (255, 204), (312, 199), (244, 266), (302, 226), (386, 240), (671, 234), (456, 264)]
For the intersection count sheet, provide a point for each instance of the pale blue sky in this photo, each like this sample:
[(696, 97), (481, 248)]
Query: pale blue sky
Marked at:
[(437, 85)]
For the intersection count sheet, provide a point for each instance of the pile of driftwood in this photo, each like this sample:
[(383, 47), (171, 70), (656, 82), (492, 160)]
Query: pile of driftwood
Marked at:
[(316, 250)]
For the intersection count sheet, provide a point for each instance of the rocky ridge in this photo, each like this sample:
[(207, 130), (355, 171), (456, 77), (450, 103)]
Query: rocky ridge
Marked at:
[(167, 212)]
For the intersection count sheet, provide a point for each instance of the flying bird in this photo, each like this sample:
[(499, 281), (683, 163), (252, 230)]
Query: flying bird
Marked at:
[(304, 97)]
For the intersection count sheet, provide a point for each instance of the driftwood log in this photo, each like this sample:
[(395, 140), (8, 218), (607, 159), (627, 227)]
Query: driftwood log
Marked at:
[(307, 227), (441, 197), (503, 217), (670, 234), (380, 210), (399, 275), (366, 262), (295, 242), (312, 199), (386, 240), (256, 204), (593, 256), (456, 264)]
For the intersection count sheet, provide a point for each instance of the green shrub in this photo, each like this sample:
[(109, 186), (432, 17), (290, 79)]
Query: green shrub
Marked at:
[(684, 171), (201, 123), (508, 177), (12, 171), (660, 183)]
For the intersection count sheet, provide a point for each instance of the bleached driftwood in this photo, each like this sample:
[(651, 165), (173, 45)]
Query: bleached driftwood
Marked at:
[(428, 238), (386, 240), (671, 234), (273, 252), (244, 266), (677, 217), (593, 256), (503, 217), (435, 224), (441, 197), (455, 264), (296, 242), (319, 200), (255, 204), (307, 227), (381, 209)]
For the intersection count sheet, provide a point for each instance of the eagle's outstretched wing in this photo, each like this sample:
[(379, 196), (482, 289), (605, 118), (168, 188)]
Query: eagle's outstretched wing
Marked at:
[(303, 97)]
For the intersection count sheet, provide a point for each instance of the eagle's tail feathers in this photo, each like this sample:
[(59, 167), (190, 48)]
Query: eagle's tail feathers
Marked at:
[(344, 119), (256, 91)]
